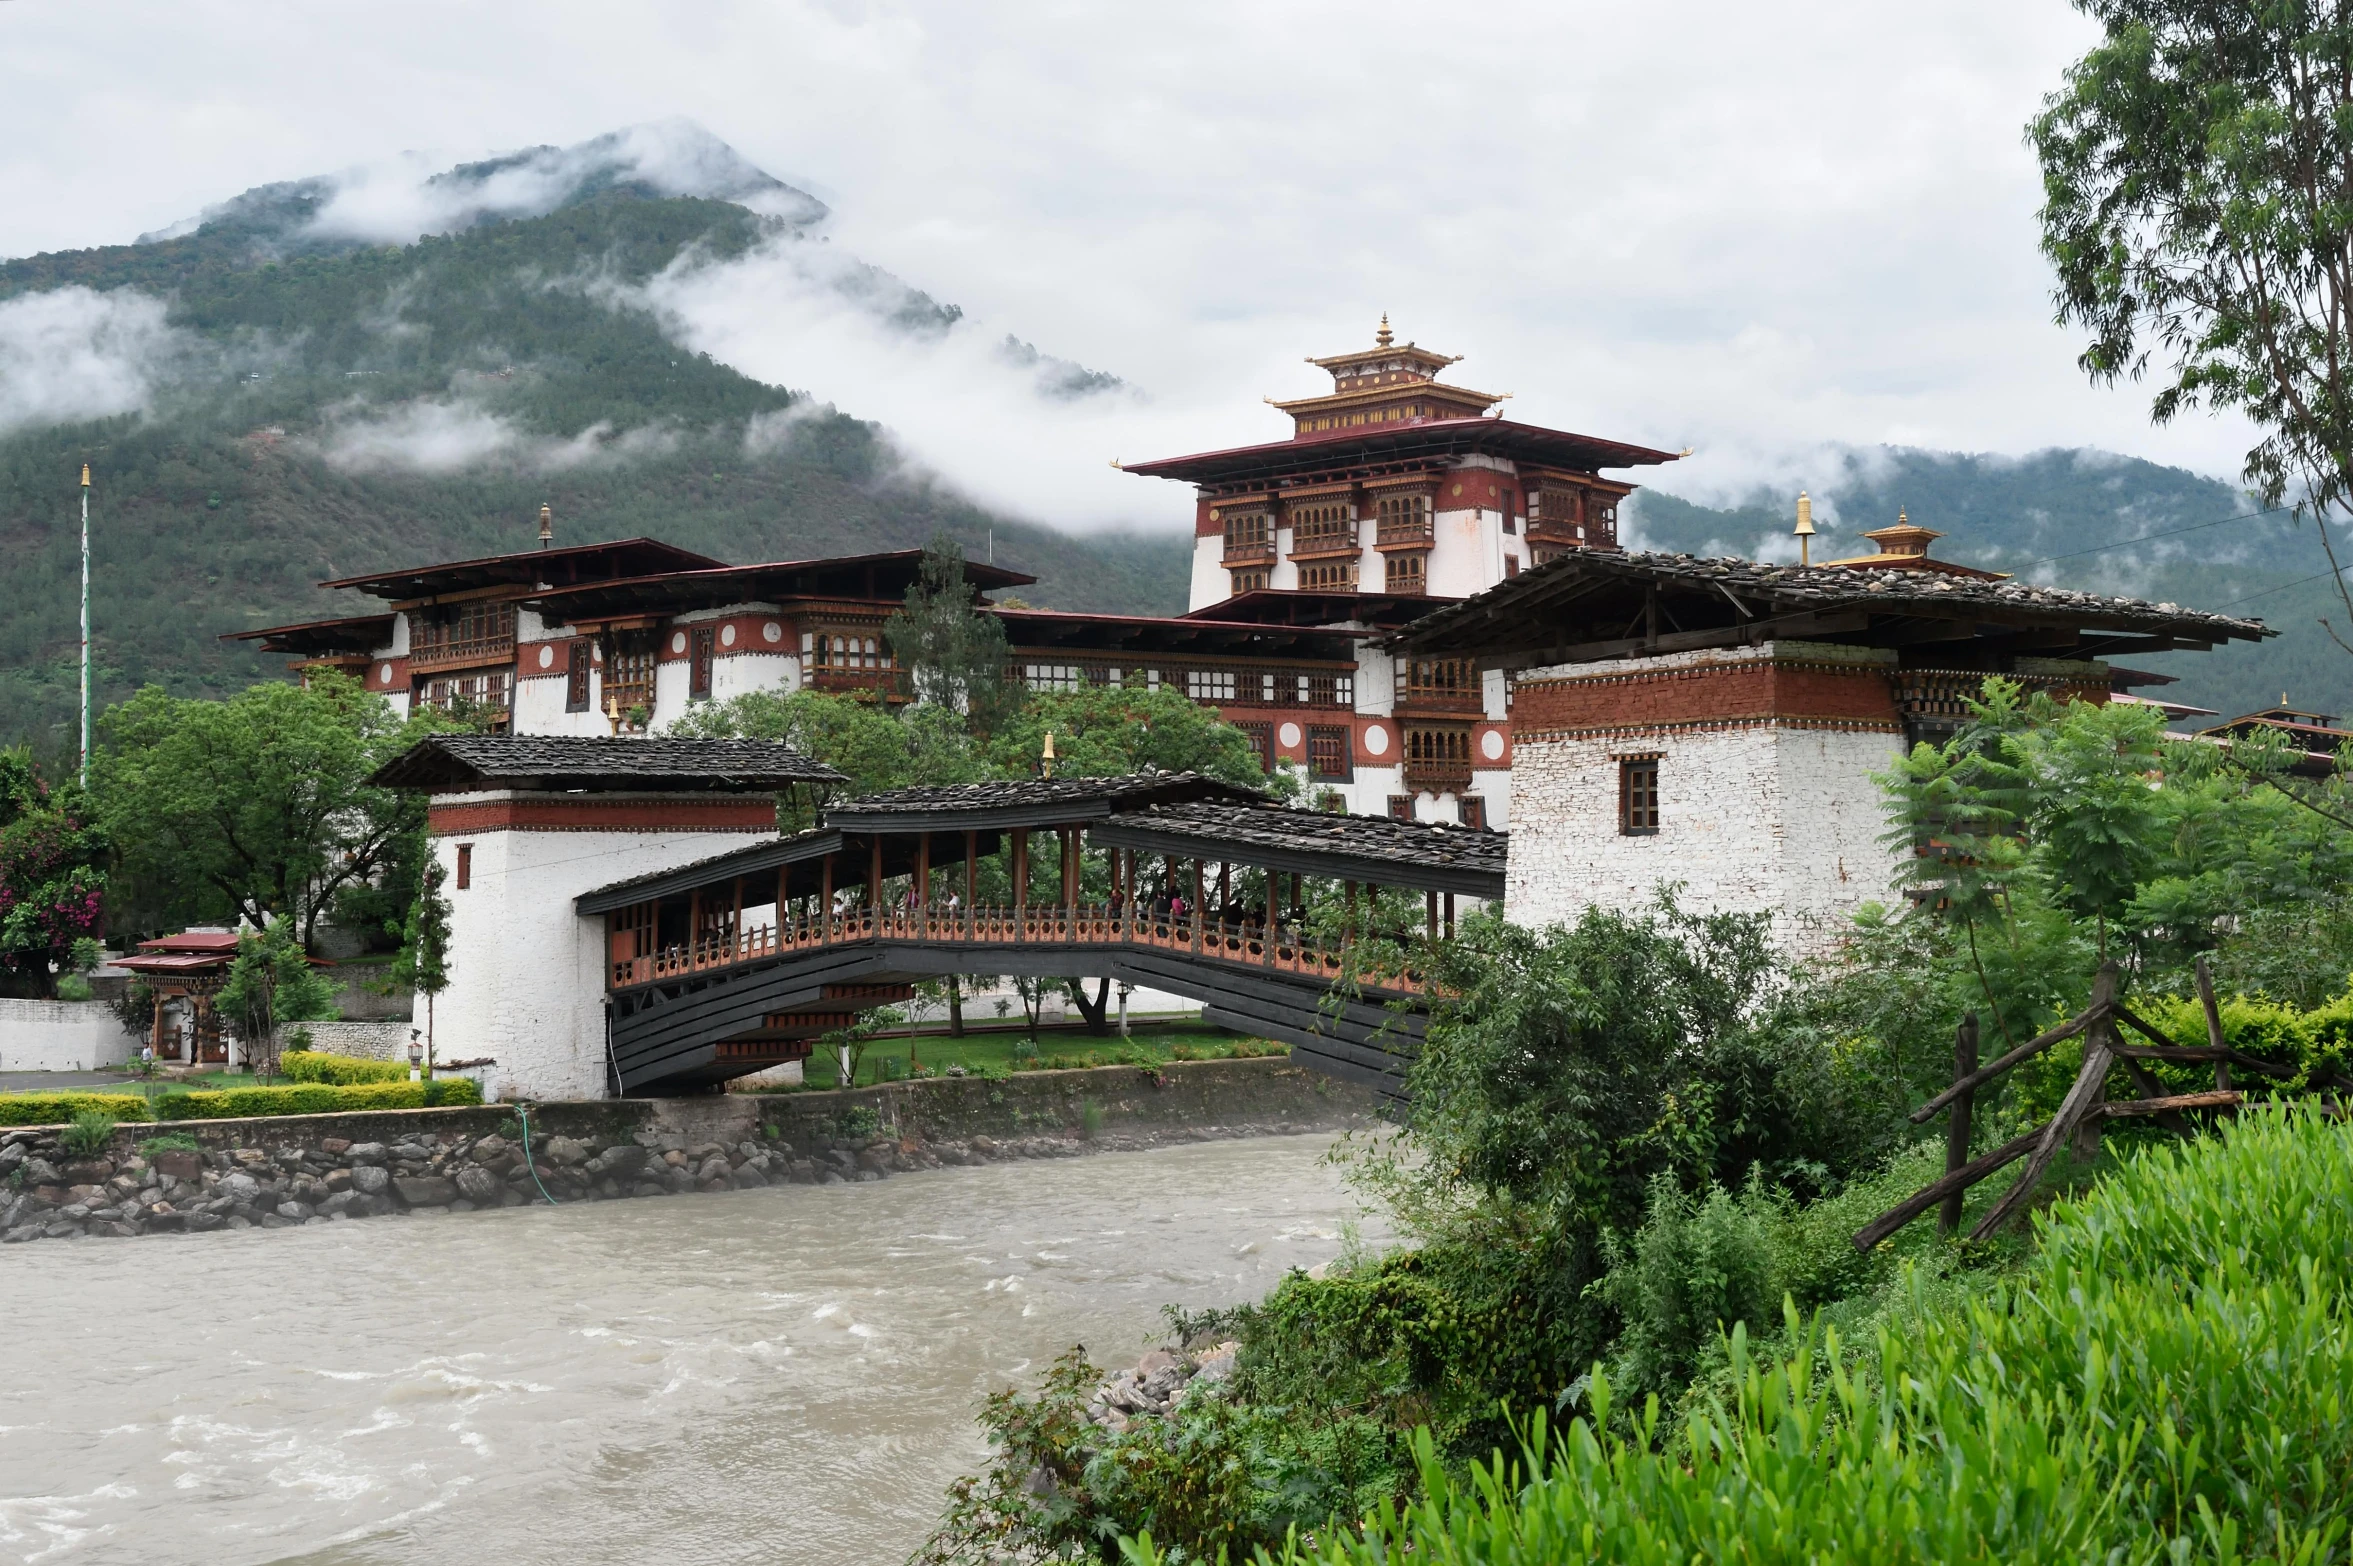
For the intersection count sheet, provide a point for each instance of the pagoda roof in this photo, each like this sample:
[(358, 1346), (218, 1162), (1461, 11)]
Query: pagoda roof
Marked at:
[(358, 633), (1590, 604), (530, 568), (883, 577), (1308, 607), (1366, 450), (1207, 633), (460, 763), (1026, 802), (1423, 855)]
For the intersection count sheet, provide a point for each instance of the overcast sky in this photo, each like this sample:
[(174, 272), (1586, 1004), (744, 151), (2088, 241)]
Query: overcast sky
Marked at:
[(1746, 228)]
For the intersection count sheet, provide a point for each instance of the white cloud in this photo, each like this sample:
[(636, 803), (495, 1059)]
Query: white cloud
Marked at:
[(455, 435), (1750, 229), (71, 353)]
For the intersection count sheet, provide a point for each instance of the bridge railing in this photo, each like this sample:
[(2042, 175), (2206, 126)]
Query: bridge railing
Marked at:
[(1285, 949)]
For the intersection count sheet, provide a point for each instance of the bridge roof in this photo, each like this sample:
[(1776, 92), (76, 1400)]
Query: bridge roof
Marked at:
[(715, 869), (1026, 802), (1426, 856), (457, 763)]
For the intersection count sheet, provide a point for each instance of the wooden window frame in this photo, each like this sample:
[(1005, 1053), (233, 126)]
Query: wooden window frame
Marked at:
[(465, 875), (577, 660), (1471, 811), (1638, 796), (702, 652), (1401, 807), (1337, 737)]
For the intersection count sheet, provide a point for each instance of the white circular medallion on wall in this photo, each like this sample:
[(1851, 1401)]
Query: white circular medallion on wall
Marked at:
[(384, 675), (547, 657), (1290, 736), (1376, 740), (1491, 744), (678, 641), (772, 632), (727, 636)]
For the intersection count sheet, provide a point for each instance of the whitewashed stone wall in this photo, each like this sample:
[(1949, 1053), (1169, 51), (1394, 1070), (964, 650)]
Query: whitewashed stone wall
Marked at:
[(1775, 818), (527, 973), (60, 1036)]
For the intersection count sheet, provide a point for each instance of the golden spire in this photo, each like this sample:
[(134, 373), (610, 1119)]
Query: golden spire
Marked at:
[(1804, 529), (547, 526), (85, 475), (1384, 337), (1047, 760)]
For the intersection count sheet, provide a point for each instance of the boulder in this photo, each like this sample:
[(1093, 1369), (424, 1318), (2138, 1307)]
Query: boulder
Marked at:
[(240, 1187), (713, 1167), (367, 1153), (425, 1190), (748, 1176), (478, 1185), (370, 1179), (565, 1152), (89, 1171), (293, 1211), (490, 1150), (179, 1164), (340, 1203), (985, 1146)]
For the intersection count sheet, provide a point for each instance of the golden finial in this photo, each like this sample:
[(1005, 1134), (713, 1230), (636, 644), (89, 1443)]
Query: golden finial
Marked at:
[(547, 526), (85, 475), (1805, 529), (1047, 760), (613, 711), (1384, 337)]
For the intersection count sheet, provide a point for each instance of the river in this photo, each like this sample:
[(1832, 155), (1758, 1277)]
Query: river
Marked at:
[(780, 1376)]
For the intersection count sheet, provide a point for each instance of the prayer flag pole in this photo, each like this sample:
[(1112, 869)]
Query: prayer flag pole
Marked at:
[(85, 772)]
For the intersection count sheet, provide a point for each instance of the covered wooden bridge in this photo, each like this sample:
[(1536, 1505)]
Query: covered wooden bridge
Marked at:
[(1171, 880)]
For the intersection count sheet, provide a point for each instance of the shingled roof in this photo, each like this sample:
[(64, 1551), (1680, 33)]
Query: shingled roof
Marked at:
[(1591, 603), (1372, 849), (1024, 802), (448, 763)]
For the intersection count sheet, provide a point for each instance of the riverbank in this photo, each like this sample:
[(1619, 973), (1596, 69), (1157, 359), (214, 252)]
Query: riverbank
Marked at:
[(286, 1171)]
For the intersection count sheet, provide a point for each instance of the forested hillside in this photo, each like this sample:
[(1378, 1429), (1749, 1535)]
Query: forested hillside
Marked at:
[(321, 414), (2082, 519)]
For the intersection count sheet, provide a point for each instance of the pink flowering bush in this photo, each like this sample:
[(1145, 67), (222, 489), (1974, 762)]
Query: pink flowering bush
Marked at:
[(52, 877)]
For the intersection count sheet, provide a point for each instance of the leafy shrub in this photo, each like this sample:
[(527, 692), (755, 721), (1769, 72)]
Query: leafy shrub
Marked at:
[(55, 1109), (317, 1099), (2164, 1379), (91, 1133), (73, 987), (859, 1120), (171, 1142), (340, 1070)]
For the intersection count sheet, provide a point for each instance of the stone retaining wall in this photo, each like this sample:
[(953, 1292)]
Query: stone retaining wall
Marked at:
[(274, 1173)]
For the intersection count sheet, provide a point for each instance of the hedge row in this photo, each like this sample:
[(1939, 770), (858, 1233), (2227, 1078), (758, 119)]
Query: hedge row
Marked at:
[(339, 1070), (2165, 1380), (309, 1098)]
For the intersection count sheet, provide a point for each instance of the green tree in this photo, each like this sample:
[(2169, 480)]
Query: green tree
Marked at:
[(422, 967), (256, 808), (2198, 206), (952, 655), (875, 747), (52, 877), (272, 983), (1105, 731)]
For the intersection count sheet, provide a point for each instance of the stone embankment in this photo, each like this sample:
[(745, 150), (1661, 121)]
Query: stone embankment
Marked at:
[(1159, 1383), (278, 1173)]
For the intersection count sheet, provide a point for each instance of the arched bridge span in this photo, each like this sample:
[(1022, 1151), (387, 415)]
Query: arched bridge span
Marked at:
[(1176, 882)]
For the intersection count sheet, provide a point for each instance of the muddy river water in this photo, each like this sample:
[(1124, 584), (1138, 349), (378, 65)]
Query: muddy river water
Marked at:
[(781, 1376)]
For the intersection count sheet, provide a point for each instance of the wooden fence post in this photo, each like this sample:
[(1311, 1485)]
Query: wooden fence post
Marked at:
[(2214, 1027), (1956, 1134)]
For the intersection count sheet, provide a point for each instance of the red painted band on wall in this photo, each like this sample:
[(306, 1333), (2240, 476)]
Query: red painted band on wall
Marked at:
[(603, 815)]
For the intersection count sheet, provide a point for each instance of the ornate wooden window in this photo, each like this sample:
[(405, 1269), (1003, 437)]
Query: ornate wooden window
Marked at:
[(1449, 682), (465, 866), (848, 650), (1441, 746), (1328, 576), (1328, 690), (489, 693), (1401, 807), (702, 647), (478, 632), (629, 671), (1262, 743), (1250, 536), (1638, 795), (1251, 581), (1055, 676), (1328, 753), (1322, 527), (1404, 519), (1511, 566), (1210, 684), (1471, 810), (577, 659), (1407, 574)]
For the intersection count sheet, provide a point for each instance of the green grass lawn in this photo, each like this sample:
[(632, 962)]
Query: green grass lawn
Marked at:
[(993, 1054)]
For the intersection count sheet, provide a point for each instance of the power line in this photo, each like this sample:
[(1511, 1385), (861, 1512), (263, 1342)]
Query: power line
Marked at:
[(2169, 532), (2317, 576)]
